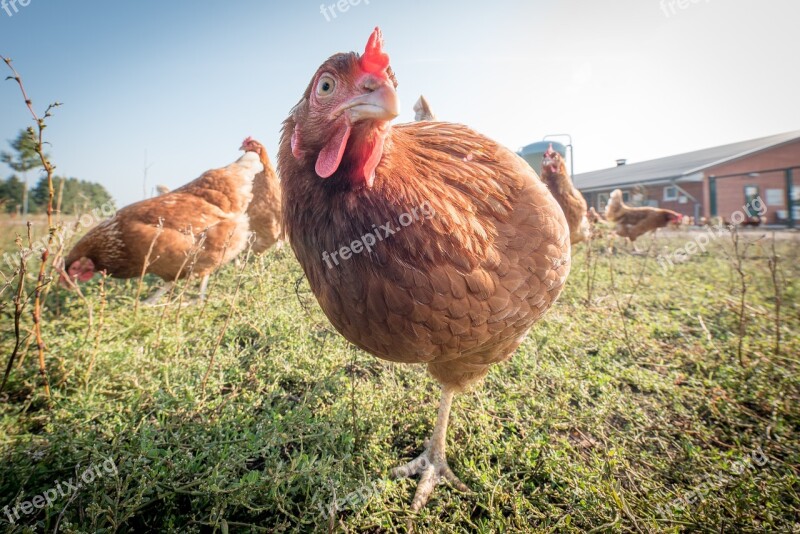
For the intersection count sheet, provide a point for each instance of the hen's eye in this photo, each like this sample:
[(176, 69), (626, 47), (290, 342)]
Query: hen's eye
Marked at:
[(326, 86)]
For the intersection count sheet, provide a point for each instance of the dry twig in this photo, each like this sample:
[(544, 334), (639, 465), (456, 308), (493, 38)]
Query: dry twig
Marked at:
[(42, 281)]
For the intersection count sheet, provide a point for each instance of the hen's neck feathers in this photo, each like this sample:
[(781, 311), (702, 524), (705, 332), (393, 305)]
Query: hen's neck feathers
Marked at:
[(250, 164), (104, 244), (615, 209), (558, 181), (420, 165)]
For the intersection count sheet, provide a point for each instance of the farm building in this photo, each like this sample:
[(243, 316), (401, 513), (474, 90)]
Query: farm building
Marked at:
[(715, 182)]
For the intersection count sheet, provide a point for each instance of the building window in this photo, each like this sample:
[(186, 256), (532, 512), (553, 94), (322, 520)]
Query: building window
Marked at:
[(670, 194), (602, 202), (775, 197), (626, 197)]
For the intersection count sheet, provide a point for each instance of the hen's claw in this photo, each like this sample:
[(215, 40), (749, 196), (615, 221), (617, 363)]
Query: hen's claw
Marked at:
[(433, 470)]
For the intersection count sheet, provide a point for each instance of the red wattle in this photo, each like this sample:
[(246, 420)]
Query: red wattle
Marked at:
[(373, 160), (330, 158)]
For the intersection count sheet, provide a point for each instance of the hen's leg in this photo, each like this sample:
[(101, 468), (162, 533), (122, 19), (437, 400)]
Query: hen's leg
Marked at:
[(158, 294), (204, 287), (432, 464)]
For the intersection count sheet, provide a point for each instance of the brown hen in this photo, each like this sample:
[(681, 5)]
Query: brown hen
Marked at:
[(635, 222), (424, 243), (265, 209), (556, 176), (192, 230), (423, 111)]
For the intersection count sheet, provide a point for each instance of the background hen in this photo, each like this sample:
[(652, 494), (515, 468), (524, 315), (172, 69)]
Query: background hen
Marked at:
[(556, 176), (265, 209), (422, 110), (457, 291), (594, 217), (204, 221), (635, 222)]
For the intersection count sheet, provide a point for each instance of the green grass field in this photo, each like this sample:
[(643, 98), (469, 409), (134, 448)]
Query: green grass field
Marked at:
[(632, 412)]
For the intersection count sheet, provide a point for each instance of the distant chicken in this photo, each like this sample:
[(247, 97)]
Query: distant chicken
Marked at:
[(598, 224), (753, 220), (422, 110), (593, 217), (556, 176), (265, 209), (424, 243), (192, 230), (162, 189), (635, 222)]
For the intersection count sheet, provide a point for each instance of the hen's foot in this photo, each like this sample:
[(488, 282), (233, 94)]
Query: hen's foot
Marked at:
[(433, 470), (153, 301), (156, 297)]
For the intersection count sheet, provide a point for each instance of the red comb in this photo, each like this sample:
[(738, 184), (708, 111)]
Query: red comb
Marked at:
[(375, 60), (550, 150)]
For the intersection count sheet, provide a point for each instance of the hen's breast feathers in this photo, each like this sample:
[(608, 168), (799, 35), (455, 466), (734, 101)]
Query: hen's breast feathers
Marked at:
[(104, 244), (466, 283)]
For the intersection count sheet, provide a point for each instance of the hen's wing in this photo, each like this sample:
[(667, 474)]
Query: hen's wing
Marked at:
[(186, 220)]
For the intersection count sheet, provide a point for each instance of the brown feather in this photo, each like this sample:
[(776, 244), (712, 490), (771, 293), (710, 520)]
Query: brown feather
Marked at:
[(635, 222), (459, 290), (212, 206), (569, 198), (265, 209)]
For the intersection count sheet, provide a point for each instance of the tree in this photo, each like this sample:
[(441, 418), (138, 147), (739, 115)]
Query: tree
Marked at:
[(12, 192), (23, 159), (78, 196)]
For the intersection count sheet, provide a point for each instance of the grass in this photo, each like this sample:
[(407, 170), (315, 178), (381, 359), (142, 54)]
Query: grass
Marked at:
[(586, 428)]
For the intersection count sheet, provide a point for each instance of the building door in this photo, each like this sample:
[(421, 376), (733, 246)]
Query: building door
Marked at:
[(750, 195)]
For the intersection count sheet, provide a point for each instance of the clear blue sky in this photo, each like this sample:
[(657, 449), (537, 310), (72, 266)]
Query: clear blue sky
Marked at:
[(187, 81)]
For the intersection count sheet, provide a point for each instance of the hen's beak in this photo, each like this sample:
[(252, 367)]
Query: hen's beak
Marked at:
[(380, 103)]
